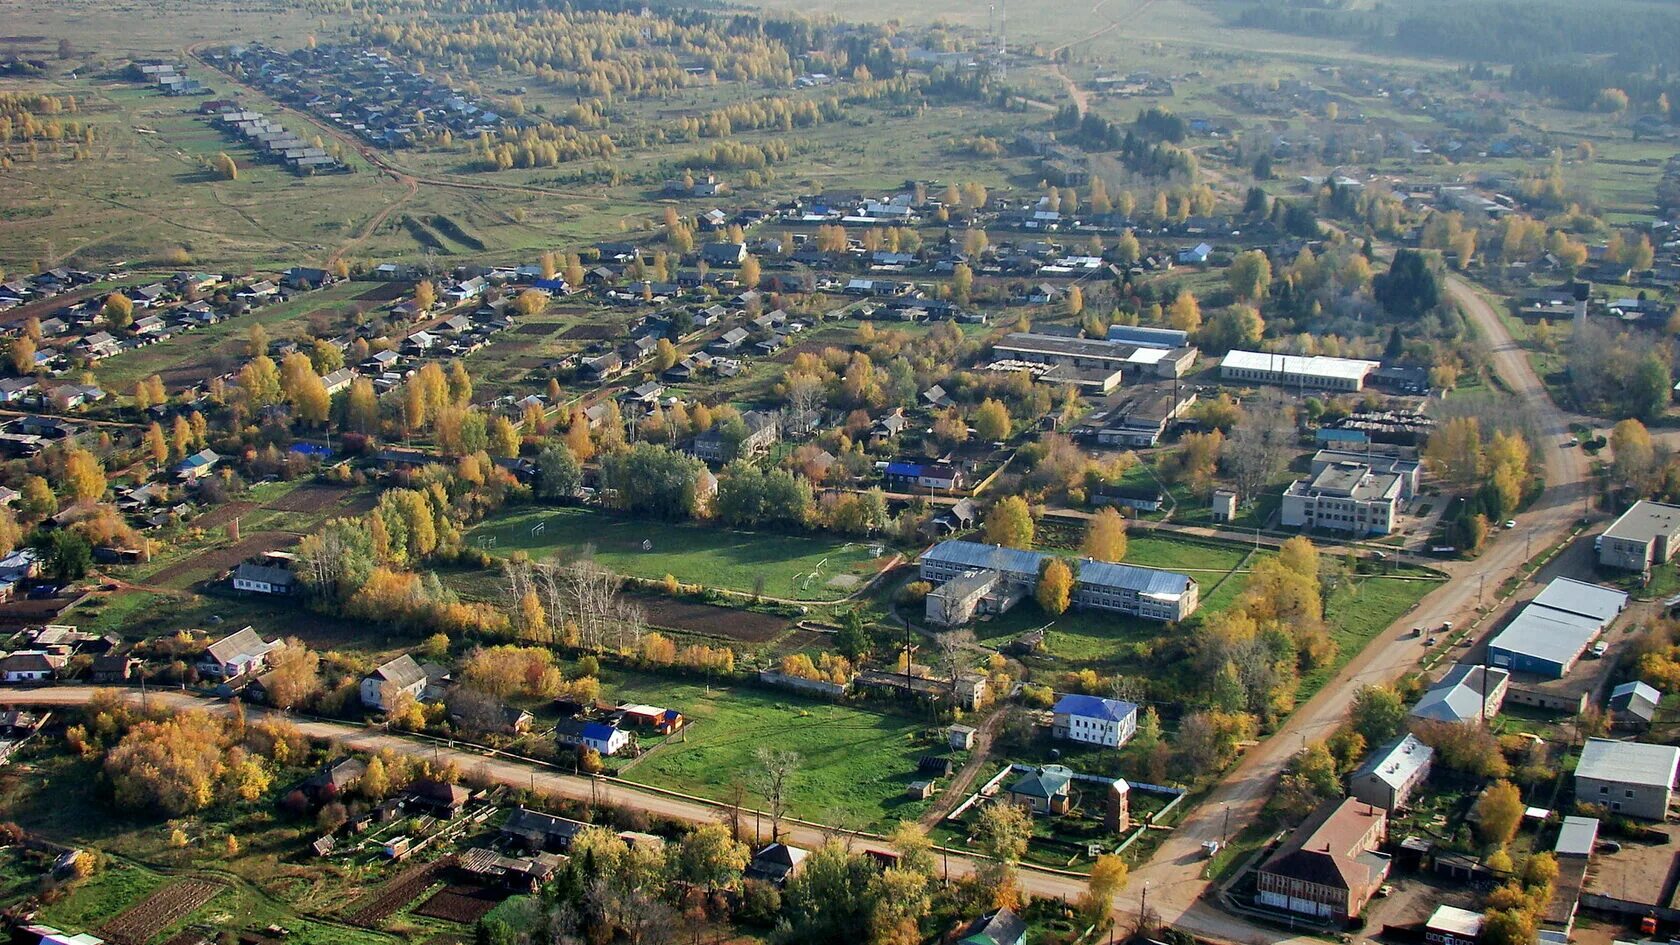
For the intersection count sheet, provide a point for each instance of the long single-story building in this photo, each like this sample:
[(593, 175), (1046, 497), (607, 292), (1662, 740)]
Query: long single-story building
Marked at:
[(1117, 588), (1292, 370)]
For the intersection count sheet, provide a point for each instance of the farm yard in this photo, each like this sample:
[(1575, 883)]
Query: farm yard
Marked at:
[(812, 568), (854, 763), (395, 893)]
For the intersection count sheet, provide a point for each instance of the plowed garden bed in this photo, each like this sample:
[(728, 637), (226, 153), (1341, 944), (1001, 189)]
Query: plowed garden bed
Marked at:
[(141, 922)]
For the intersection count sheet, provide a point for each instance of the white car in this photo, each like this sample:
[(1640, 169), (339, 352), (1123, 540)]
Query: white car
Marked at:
[(1511, 523)]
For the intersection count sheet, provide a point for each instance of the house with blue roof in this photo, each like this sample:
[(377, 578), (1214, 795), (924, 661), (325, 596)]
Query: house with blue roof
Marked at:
[(197, 465), (606, 739), (1094, 720), (1195, 256)]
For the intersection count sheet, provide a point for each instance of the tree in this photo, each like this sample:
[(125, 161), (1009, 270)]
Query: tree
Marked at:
[(22, 354), (156, 446), (711, 858), (226, 167), (1250, 275), (777, 769), (425, 295), (751, 272), (664, 356), (1499, 812), (504, 438), (118, 311), (1410, 288), (84, 477), (1630, 443), (294, 675), (1010, 524), (530, 303), (1075, 301), (1055, 587), (1185, 313), (962, 283), (1378, 713), (361, 407), (558, 472), (1108, 877), (1001, 835), (991, 421), (68, 554), (1105, 536), (38, 501)]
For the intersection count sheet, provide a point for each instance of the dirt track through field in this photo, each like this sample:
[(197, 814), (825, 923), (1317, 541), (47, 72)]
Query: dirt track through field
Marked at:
[(217, 560)]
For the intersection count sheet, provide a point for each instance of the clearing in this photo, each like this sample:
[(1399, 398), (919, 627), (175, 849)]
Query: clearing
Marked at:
[(854, 764), (813, 568)]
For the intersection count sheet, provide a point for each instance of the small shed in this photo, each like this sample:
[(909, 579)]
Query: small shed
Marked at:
[(934, 766), (919, 790), (1224, 505), (961, 737)]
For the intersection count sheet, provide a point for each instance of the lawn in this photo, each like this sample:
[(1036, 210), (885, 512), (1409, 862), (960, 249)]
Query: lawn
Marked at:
[(854, 764), (795, 567)]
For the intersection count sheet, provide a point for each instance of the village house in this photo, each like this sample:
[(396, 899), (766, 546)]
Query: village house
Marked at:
[(267, 575), (776, 864), (1045, 790), (382, 688), (236, 655), (31, 666), (606, 739)]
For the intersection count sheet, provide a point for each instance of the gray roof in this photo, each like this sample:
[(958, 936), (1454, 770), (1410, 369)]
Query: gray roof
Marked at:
[(1577, 836), (1546, 634), (1458, 696), (1025, 564), (244, 643), (263, 574), (1395, 764), (1645, 521), (1148, 337), (1583, 599), (403, 671), (1632, 763), (1640, 697)]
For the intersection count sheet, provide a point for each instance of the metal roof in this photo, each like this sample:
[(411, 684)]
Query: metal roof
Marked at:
[(1542, 633), (1586, 600), (1645, 521), (1094, 707), (1316, 366), (1025, 565), (1577, 836), (1632, 763), (1459, 922), (1458, 696), (1398, 762)]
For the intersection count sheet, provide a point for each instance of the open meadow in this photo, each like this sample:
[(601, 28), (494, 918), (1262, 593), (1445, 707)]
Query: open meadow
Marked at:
[(854, 763), (815, 568)]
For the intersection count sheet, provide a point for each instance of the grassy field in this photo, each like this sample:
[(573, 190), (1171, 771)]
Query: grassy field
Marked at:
[(715, 557), (854, 764)]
